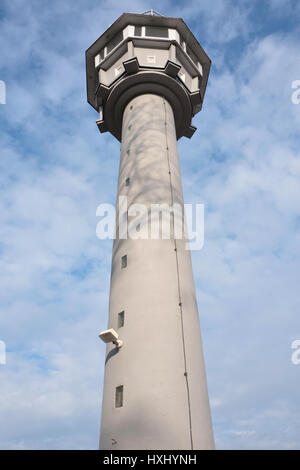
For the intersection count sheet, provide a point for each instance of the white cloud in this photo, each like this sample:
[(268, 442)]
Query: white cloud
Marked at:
[(243, 163)]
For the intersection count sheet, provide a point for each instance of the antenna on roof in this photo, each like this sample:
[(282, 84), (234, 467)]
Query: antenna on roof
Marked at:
[(152, 13)]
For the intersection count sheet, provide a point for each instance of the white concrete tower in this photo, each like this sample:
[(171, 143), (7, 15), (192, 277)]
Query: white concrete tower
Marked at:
[(146, 76)]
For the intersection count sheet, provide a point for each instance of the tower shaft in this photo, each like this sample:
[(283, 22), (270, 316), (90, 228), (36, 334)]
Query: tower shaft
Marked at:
[(155, 391)]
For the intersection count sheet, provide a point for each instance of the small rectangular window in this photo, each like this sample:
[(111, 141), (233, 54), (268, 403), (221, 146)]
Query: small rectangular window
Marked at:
[(157, 32), (119, 396), (137, 30), (121, 318), (124, 261), (127, 182)]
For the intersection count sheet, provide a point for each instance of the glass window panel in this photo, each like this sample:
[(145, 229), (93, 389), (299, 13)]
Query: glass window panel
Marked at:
[(192, 55), (114, 41), (157, 32), (121, 318), (137, 30)]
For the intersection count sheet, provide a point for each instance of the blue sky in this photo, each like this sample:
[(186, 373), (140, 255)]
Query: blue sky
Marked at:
[(243, 164)]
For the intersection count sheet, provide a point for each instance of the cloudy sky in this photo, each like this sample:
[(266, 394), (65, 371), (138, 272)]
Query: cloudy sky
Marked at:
[(243, 164)]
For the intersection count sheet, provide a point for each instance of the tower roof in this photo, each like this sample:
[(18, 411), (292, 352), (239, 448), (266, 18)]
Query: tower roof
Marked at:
[(104, 55)]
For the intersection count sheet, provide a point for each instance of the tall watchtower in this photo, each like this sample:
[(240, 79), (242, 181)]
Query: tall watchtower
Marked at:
[(146, 77)]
